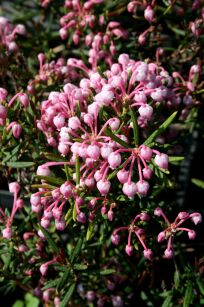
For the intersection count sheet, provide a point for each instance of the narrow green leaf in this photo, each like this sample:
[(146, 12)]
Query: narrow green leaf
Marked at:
[(49, 239), (198, 182), (109, 133), (90, 231), (68, 295), (107, 272), (188, 295), (19, 164), (135, 127), (175, 159), (200, 285), (74, 213), (80, 267), (77, 249), (168, 301), (51, 284), (64, 279), (52, 180), (160, 130), (77, 168)]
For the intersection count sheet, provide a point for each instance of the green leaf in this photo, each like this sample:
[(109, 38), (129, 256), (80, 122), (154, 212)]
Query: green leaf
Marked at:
[(77, 249), (51, 284), (109, 133), (90, 231), (19, 164), (198, 182), (175, 159), (168, 301), (18, 303), (107, 272), (160, 130), (135, 127), (188, 295), (77, 168), (52, 180), (80, 267), (68, 295), (62, 281), (31, 301), (200, 285), (49, 239)]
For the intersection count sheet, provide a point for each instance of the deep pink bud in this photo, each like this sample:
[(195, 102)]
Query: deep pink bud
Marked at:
[(161, 236), (24, 99), (60, 225), (16, 129), (115, 239), (110, 215), (147, 173), (66, 189), (129, 250), (81, 218), (144, 216), (148, 254), (3, 94)]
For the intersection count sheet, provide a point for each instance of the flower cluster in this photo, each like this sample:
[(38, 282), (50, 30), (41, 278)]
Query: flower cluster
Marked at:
[(8, 34), (173, 228)]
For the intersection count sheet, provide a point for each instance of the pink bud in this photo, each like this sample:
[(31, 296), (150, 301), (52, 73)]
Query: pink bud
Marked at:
[(162, 160), (146, 153), (114, 123), (43, 171), (148, 254), (129, 189), (14, 187), (124, 59), (63, 148), (66, 189), (158, 212), (183, 215), (81, 218), (2, 112), (35, 200), (161, 236), (123, 176), (90, 183), (16, 129), (146, 111), (93, 151), (149, 14), (7, 233), (90, 295), (106, 150), (74, 123), (115, 239), (191, 234), (196, 218), (129, 250), (20, 29), (147, 173), (168, 253), (144, 216), (63, 33), (19, 203), (142, 187), (114, 160), (110, 215), (45, 223), (60, 225), (22, 248), (59, 121), (24, 99), (103, 187)]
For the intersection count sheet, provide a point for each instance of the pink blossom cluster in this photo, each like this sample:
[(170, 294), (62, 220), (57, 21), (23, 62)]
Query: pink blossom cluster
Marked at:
[(81, 23), (8, 34), (51, 73), (150, 10), (15, 126), (175, 227)]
